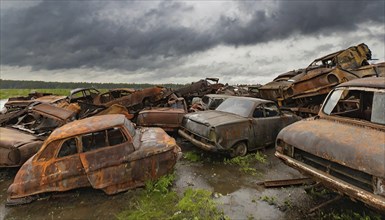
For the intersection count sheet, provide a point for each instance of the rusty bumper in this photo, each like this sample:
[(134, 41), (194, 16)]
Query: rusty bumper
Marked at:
[(204, 146), (352, 191)]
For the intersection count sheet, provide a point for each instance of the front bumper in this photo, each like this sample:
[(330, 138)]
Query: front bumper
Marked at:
[(341, 186), (203, 146)]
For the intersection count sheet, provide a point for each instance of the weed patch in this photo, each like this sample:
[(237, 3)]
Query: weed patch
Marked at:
[(157, 201), (271, 200), (246, 162), (350, 215), (192, 156)]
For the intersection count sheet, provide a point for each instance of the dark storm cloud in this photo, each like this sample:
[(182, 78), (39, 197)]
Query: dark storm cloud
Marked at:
[(73, 34)]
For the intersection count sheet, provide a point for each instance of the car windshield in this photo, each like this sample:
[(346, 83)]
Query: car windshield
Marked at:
[(242, 107), (357, 104)]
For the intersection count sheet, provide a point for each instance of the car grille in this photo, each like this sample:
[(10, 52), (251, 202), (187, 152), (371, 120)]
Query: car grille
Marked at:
[(198, 137), (354, 177)]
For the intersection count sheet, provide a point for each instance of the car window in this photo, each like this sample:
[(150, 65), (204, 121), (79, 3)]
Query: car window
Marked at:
[(271, 110), (49, 151), (357, 104), (258, 112), (130, 126), (105, 98), (332, 101), (110, 137), (242, 107), (68, 148), (215, 103), (378, 113)]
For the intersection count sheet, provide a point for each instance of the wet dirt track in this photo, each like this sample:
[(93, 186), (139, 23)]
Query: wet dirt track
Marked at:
[(238, 194)]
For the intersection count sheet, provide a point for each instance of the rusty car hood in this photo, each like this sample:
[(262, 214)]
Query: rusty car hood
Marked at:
[(215, 118), (14, 138), (363, 148)]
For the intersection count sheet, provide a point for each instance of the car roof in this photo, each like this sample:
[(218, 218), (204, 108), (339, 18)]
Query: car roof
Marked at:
[(256, 100), (218, 95), (371, 82), (91, 124)]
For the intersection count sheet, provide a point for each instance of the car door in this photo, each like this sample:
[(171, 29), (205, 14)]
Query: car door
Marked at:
[(64, 170), (266, 123), (106, 159)]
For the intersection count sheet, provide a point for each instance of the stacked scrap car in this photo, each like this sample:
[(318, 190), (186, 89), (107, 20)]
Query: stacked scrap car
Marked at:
[(343, 147), (105, 152), (238, 125), (303, 90)]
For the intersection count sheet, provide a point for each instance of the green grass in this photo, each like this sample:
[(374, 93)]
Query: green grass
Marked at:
[(192, 156), (7, 93), (157, 201)]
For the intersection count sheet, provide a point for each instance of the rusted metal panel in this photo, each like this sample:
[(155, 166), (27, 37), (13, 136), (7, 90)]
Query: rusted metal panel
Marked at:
[(126, 160), (16, 147), (363, 151), (53, 111)]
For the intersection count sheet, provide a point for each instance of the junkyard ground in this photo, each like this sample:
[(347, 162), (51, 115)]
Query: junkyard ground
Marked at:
[(236, 192)]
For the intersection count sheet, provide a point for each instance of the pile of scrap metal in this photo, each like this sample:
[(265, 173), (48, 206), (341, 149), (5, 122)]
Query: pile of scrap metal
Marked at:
[(198, 89), (303, 90)]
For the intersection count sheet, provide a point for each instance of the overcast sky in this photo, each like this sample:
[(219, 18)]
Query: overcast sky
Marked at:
[(179, 41)]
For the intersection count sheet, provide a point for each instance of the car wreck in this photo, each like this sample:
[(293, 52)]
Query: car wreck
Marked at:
[(131, 98), (303, 90), (104, 152), (198, 89), (238, 125), (169, 118), (208, 102), (343, 147), (23, 134)]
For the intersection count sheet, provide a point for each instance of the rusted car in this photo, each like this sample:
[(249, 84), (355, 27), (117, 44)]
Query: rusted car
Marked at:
[(131, 98), (343, 147), (169, 117), (18, 103), (198, 89), (104, 152), (83, 95), (208, 102), (238, 125), (24, 134)]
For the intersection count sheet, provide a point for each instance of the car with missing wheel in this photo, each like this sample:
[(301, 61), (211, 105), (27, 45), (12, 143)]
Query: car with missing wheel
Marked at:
[(238, 125), (104, 152), (343, 147)]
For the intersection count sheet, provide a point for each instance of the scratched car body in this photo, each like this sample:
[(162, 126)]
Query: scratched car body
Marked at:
[(22, 135), (344, 145), (105, 152), (238, 125)]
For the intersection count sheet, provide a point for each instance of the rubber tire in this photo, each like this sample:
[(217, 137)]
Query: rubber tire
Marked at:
[(239, 150)]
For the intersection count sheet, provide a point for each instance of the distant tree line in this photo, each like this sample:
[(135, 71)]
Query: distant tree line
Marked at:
[(29, 84)]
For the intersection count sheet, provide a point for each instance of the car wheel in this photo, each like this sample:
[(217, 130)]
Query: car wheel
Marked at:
[(239, 150)]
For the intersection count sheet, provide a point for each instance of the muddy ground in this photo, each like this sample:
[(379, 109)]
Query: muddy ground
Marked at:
[(237, 193)]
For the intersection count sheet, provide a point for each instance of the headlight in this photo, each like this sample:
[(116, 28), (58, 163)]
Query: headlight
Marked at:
[(285, 148), (379, 188), (212, 135)]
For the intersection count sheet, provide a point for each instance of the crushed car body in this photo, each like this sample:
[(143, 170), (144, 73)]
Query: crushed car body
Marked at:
[(198, 89), (343, 147), (208, 102), (168, 117), (104, 152), (23, 135), (238, 125)]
